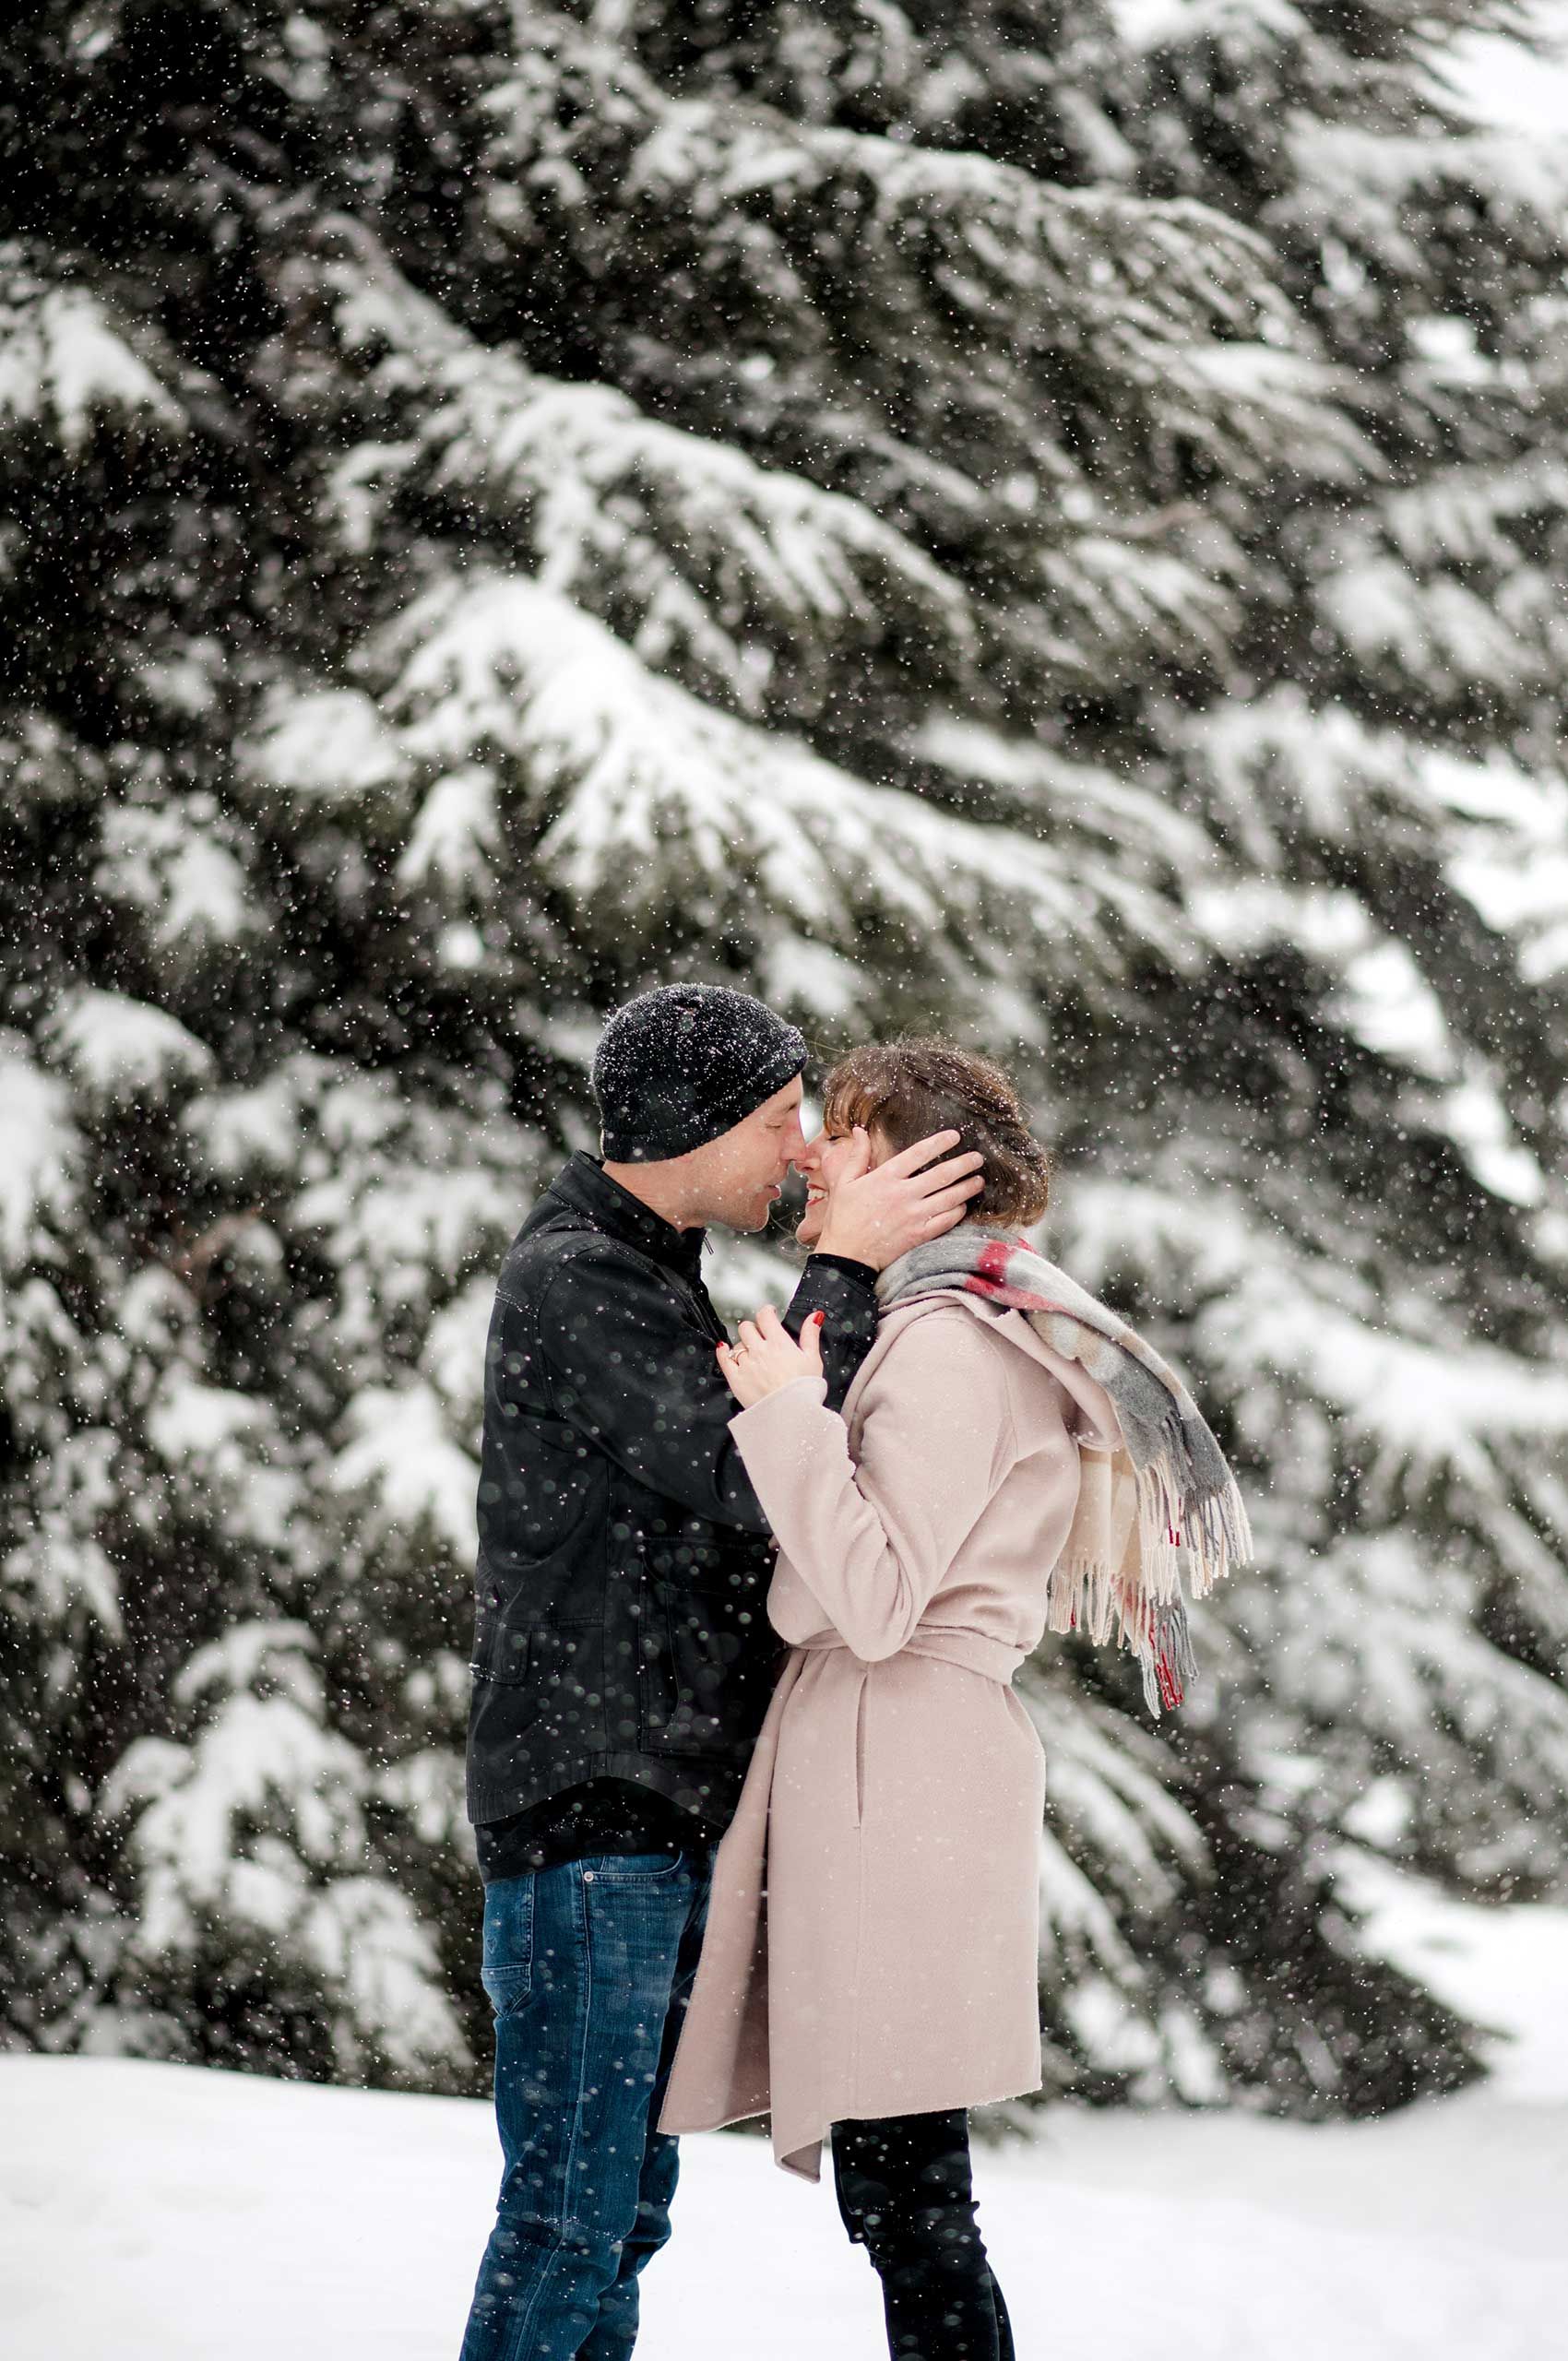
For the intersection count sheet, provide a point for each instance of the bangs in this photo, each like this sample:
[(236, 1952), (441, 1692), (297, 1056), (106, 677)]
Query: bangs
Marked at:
[(856, 1093)]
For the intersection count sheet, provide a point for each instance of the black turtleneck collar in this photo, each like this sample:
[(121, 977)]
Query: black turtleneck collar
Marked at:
[(585, 1185)]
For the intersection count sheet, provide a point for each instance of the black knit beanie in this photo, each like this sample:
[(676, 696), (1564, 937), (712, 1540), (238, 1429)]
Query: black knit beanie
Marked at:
[(677, 1066)]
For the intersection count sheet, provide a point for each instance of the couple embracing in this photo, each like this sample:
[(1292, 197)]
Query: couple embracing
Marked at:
[(756, 1809)]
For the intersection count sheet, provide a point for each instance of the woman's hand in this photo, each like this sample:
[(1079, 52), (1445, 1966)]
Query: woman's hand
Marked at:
[(876, 1212), (769, 1357)]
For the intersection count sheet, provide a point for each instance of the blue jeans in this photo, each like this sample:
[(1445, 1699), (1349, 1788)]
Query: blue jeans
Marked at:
[(589, 1966)]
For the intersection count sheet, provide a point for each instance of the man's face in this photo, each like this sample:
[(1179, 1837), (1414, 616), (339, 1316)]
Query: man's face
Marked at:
[(738, 1177)]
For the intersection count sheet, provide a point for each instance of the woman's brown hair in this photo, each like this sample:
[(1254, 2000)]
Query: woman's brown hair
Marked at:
[(912, 1088)]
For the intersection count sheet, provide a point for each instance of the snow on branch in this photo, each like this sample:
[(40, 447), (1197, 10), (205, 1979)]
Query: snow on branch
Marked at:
[(66, 366), (1377, 190), (975, 301), (1380, 1630), (1274, 1324), (369, 1942), (403, 1199), (116, 1049), (1108, 1791), (1281, 770), (1149, 832), (1113, 601), (59, 1572), (638, 798), (704, 560), (1468, 515), (402, 1458), (330, 744), (230, 1446), (181, 869), (1250, 404), (1291, 784), (39, 1151), (207, 1838), (1438, 630)]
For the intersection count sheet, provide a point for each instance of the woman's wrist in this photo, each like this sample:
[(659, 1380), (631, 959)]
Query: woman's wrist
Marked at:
[(808, 1382)]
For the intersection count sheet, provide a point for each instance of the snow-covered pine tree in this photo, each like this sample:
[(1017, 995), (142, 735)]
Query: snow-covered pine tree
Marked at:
[(1386, 761), (981, 517)]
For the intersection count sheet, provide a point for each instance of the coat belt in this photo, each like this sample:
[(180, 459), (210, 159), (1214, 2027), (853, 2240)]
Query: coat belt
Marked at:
[(845, 1729), (970, 1651)]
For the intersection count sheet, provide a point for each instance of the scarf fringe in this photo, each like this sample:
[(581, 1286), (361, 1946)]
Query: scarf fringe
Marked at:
[(1190, 1520), (1184, 1530), (1101, 1605), (1179, 1534)]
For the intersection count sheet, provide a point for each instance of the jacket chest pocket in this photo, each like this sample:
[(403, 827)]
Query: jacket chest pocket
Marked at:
[(707, 1654)]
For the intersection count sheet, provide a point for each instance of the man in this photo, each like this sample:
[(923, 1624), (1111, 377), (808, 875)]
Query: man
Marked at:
[(622, 1658)]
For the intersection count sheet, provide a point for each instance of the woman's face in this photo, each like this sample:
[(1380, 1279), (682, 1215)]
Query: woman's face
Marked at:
[(825, 1160)]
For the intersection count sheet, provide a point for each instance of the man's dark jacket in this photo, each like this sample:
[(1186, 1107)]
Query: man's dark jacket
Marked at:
[(621, 1630)]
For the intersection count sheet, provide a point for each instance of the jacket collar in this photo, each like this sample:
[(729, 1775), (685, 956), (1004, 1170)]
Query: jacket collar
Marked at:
[(584, 1184)]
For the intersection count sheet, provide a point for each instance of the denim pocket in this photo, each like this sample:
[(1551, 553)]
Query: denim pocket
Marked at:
[(506, 1970), (631, 1869)]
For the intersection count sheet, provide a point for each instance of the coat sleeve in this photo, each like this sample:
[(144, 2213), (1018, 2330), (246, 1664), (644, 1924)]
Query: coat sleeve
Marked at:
[(844, 1293), (633, 1372), (873, 1541)]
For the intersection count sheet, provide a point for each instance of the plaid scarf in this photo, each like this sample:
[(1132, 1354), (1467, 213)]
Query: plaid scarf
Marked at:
[(1165, 1490)]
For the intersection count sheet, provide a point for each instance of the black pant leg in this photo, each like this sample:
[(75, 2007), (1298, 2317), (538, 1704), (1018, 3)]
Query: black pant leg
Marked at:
[(1003, 2325), (904, 2193)]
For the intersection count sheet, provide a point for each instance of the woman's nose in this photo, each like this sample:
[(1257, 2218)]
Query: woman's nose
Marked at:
[(809, 1155)]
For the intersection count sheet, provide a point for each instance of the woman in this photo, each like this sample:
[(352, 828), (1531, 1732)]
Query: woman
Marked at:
[(1010, 1456)]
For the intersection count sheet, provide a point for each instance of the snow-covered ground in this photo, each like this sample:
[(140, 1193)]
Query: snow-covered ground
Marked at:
[(163, 2214)]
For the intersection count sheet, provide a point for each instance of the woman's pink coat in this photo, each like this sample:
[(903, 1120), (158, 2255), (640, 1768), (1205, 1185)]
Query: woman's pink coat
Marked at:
[(873, 1938)]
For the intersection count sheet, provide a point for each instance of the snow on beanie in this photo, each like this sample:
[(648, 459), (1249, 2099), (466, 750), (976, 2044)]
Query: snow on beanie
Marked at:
[(679, 1065)]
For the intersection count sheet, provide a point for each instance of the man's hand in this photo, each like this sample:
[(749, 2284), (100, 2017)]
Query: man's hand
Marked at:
[(876, 1215)]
